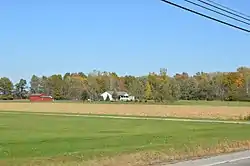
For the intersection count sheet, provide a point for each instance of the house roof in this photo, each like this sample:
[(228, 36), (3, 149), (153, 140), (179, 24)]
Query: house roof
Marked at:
[(119, 93)]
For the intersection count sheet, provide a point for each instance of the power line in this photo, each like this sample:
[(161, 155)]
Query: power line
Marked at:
[(206, 16), (209, 4), (225, 7), (217, 12)]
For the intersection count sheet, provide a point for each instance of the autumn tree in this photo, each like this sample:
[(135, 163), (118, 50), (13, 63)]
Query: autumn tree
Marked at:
[(74, 86), (93, 86), (230, 86), (137, 88), (148, 91), (56, 86), (175, 89)]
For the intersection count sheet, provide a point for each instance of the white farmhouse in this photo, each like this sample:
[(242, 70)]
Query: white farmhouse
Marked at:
[(122, 96), (105, 95)]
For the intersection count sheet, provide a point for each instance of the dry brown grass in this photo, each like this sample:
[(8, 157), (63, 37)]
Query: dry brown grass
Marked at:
[(136, 110), (153, 158)]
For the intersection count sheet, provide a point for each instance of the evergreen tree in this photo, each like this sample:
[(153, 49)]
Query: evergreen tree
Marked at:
[(85, 95)]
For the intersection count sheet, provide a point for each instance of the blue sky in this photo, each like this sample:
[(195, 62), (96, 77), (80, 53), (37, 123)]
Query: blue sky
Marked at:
[(135, 37)]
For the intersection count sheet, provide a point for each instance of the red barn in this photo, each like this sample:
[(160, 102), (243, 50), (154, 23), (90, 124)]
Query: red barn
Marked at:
[(40, 98)]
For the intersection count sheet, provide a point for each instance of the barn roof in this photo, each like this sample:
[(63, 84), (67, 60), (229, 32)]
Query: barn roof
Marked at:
[(46, 97)]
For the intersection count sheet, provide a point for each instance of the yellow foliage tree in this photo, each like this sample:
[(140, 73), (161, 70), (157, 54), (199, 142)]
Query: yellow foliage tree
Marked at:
[(148, 91)]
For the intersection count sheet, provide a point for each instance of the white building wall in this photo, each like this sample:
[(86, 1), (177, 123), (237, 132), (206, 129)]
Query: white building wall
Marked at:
[(131, 98), (125, 97), (105, 95)]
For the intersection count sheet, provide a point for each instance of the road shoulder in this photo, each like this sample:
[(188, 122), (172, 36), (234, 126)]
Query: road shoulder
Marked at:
[(214, 161)]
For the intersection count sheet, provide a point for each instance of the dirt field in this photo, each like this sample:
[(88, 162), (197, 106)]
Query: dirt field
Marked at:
[(137, 110)]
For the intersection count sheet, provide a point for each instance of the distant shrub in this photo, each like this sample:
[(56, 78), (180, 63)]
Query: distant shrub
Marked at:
[(6, 97), (84, 95), (247, 117), (245, 99)]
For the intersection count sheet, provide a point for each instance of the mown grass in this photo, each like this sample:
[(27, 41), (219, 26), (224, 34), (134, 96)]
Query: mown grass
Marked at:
[(28, 137)]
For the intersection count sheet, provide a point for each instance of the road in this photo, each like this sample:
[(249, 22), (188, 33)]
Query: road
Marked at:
[(239, 159), (238, 163)]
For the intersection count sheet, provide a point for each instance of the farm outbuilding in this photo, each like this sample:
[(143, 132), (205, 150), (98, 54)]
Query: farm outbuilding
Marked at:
[(40, 98), (122, 96)]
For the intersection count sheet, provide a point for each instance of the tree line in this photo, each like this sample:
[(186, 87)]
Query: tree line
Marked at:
[(159, 87)]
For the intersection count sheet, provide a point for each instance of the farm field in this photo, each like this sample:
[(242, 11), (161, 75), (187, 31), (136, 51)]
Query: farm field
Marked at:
[(184, 111), (30, 139), (179, 102), (213, 103)]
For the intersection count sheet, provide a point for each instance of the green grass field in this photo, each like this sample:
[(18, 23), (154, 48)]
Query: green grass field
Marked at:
[(29, 136)]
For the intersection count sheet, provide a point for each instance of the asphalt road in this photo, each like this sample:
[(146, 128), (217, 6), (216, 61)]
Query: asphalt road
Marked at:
[(238, 163), (239, 159)]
